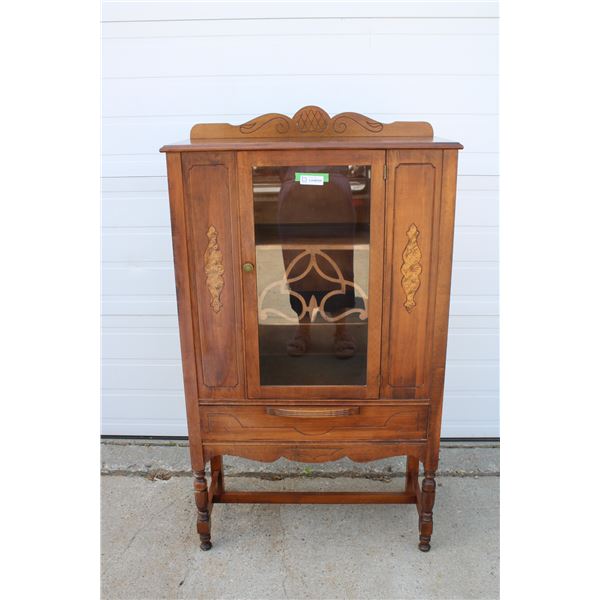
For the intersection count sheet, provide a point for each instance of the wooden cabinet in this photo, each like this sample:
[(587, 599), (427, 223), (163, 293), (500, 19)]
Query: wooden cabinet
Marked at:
[(312, 261)]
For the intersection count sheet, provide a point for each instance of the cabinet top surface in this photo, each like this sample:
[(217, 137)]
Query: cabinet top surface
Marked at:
[(310, 127)]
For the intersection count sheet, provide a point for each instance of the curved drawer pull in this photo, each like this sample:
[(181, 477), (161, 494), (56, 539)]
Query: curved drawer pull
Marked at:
[(304, 412)]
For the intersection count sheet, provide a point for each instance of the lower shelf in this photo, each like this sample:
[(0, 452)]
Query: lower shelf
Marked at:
[(317, 498)]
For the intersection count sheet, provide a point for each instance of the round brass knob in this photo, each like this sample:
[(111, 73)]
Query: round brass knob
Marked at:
[(248, 267)]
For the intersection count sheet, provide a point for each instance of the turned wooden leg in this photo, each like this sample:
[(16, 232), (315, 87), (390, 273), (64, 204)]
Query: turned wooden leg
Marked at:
[(216, 470), (203, 522), (426, 512), (412, 473)]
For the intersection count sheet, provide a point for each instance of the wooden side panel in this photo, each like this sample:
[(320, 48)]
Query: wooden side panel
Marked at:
[(210, 191), (184, 306), (442, 304), (412, 204)]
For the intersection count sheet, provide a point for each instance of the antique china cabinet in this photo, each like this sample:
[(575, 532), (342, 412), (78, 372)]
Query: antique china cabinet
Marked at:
[(312, 262)]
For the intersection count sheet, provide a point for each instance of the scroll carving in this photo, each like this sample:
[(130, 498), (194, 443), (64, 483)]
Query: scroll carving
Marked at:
[(343, 121), (411, 268), (213, 267), (280, 123), (311, 121)]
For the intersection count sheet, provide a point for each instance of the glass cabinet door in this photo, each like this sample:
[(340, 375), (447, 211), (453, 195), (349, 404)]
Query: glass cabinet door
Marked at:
[(313, 279)]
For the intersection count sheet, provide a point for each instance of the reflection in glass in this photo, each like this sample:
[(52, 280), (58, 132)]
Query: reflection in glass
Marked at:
[(312, 254)]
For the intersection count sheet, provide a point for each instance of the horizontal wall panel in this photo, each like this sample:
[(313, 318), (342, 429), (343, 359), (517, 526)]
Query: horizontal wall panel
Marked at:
[(480, 164), (470, 406), (148, 305), (164, 322), (310, 26), (219, 97), (478, 322), (158, 323), (167, 375), (470, 375), (133, 183), (476, 244), (476, 183), (138, 280), (478, 305), (148, 183), (149, 164), (154, 376), (166, 405), (475, 279), (132, 344), (477, 428), (135, 209), (155, 244), (346, 54), (477, 208), (146, 135), (467, 279), (473, 345), (147, 413), (136, 424), (470, 414), (152, 10), (143, 426), (145, 305), (137, 245), (128, 343)]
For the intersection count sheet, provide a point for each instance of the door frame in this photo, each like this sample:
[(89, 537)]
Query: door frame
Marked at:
[(245, 161)]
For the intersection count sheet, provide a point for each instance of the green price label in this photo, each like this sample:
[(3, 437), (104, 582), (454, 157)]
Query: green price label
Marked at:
[(312, 178)]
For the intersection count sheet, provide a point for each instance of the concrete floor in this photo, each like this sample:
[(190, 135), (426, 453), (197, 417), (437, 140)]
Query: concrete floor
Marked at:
[(150, 547)]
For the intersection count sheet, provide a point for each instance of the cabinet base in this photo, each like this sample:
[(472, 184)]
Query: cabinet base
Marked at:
[(423, 499)]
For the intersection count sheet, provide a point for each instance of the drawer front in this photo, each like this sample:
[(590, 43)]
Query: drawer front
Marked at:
[(314, 423)]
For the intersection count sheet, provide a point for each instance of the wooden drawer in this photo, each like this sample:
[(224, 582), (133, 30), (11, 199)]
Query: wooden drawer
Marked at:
[(275, 423)]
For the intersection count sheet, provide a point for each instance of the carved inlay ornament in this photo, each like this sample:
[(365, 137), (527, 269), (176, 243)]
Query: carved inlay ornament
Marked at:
[(311, 119), (213, 267), (312, 309), (411, 268)]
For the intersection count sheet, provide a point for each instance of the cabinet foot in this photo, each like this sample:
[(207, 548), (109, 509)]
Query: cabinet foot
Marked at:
[(203, 521), (427, 500), (205, 545)]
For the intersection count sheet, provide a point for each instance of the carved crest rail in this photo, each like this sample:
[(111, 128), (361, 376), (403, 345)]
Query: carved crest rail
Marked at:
[(311, 121)]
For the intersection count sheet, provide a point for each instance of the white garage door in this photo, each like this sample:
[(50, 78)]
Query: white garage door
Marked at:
[(168, 65)]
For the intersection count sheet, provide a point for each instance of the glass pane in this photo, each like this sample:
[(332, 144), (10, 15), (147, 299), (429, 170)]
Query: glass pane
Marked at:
[(312, 269)]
